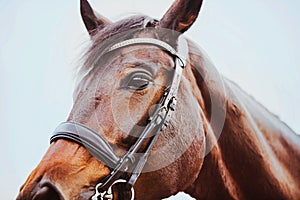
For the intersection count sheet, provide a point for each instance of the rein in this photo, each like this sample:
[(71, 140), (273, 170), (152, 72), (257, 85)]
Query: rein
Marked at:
[(132, 162)]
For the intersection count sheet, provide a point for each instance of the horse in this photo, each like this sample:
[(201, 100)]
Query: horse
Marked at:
[(152, 117)]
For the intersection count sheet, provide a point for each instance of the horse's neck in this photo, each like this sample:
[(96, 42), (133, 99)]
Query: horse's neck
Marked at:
[(256, 156)]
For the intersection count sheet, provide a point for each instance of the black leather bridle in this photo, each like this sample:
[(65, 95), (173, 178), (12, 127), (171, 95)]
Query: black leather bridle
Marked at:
[(131, 163)]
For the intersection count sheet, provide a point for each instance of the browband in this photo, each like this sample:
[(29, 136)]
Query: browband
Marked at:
[(159, 43)]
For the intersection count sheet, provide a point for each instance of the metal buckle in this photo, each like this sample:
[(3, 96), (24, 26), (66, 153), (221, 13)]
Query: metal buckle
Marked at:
[(108, 195)]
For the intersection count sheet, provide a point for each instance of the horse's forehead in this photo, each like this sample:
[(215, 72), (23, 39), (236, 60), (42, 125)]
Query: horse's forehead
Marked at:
[(145, 54)]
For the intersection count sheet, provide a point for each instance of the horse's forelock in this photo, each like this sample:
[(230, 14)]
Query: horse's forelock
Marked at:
[(109, 35)]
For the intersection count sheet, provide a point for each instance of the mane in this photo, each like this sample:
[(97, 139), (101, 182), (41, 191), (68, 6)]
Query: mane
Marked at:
[(254, 105), (109, 35), (233, 90)]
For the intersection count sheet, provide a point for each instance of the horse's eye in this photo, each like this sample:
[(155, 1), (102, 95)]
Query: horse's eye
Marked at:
[(138, 81)]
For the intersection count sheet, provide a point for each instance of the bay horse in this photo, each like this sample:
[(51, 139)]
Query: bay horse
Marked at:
[(152, 117)]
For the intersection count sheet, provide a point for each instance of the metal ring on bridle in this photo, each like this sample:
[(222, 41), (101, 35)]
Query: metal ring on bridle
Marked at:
[(108, 195)]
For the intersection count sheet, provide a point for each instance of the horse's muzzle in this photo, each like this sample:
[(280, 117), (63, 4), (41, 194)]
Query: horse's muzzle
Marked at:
[(44, 190)]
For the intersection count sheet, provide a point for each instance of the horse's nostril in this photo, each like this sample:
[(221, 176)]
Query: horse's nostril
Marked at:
[(47, 192)]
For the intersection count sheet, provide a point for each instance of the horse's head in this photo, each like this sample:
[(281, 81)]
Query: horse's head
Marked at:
[(117, 92)]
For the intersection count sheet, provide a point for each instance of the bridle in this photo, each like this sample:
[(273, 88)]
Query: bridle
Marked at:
[(131, 162)]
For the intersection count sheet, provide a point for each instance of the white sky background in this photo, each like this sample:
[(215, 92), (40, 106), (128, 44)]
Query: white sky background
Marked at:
[(254, 43)]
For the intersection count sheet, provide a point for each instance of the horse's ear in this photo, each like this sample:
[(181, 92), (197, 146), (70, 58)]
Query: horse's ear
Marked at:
[(91, 19), (181, 15)]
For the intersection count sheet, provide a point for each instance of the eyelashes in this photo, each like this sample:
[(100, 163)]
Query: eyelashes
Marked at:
[(137, 81)]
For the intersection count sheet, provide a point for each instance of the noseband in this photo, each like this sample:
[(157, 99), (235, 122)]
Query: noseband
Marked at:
[(132, 162)]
